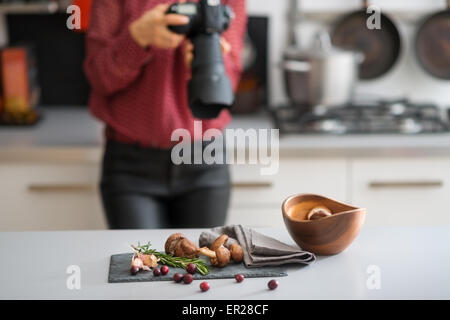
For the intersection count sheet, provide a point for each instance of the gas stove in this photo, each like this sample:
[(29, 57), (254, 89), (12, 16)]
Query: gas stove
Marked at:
[(378, 117)]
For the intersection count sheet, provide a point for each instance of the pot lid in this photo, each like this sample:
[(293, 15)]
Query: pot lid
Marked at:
[(321, 48)]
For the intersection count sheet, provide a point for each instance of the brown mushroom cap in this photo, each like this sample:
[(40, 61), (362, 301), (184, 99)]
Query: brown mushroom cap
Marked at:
[(171, 242), (222, 257), (237, 254), (219, 258), (186, 248)]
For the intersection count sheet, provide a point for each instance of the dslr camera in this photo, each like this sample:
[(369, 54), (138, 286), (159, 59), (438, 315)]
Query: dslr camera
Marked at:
[(209, 89)]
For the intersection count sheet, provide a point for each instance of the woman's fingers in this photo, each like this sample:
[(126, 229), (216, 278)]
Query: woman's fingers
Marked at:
[(188, 53), (226, 46), (170, 40), (189, 50), (175, 19), (162, 8)]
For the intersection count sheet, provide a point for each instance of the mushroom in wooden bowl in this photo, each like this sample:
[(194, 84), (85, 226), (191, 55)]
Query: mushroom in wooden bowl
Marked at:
[(321, 225)]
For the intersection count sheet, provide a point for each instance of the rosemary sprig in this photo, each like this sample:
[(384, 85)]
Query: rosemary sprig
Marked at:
[(176, 262)]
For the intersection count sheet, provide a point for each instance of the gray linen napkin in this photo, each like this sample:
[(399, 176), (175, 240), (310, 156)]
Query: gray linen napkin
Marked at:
[(259, 250)]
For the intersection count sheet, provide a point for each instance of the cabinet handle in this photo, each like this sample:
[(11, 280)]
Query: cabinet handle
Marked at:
[(252, 185), (61, 187), (406, 184)]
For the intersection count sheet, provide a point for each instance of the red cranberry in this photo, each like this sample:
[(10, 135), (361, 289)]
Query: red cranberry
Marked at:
[(188, 278), (204, 286), (273, 284), (134, 270), (156, 272), (191, 268), (164, 270), (178, 277), (239, 277)]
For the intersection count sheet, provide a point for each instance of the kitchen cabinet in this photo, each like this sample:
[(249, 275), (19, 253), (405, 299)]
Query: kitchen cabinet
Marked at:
[(62, 195), (256, 217), (402, 191), (57, 196), (256, 199), (49, 196)]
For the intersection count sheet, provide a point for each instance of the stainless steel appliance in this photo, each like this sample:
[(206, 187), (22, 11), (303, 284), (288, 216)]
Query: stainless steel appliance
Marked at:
[(381, 47), (322, 75), (396, 116)]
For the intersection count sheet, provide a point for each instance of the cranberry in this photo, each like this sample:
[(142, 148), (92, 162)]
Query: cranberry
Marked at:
[(188, 278), (178, 277), (191, 268), (164, 270), (239, 277), (204, 286), (134, 270), (156, 272), (273, 284)]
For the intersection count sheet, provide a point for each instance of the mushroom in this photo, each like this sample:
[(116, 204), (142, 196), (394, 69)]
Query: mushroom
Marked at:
[(319, 213), (219, 242), (219, 258), (237, 254), (180, 246)]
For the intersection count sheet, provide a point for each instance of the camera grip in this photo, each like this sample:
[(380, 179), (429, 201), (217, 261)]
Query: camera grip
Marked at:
[(182, 29)]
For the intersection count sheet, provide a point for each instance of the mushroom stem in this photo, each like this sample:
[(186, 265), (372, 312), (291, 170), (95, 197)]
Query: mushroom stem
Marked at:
[(206, 252), (220, 241)]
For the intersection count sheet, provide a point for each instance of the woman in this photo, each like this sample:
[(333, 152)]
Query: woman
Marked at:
[(138, 70)]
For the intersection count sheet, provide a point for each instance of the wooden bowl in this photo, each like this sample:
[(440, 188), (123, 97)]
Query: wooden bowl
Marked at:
[(327, 236)]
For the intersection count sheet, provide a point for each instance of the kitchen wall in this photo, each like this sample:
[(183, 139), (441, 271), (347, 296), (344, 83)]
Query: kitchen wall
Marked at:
[(406, 78)]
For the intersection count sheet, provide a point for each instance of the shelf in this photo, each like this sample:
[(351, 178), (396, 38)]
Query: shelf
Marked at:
[(409, 16), (29, 8)]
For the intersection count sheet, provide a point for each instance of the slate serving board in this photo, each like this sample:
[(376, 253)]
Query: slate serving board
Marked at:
[(119, 271)]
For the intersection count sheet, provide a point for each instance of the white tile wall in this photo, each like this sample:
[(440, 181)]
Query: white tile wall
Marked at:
[(407, 77)]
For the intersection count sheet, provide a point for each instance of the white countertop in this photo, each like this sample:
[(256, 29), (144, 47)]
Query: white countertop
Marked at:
[(76, 128), (414, 263)]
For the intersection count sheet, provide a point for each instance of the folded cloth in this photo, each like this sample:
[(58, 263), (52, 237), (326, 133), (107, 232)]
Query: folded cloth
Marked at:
[(259, 250)]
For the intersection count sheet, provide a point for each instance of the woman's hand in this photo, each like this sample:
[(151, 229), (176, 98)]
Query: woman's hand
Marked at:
[(151, 28), (189, 50)]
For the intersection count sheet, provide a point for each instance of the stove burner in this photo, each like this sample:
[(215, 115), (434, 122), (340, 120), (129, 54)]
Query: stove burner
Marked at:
[(400, 116)]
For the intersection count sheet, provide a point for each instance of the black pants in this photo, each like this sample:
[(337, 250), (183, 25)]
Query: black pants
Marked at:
[(141, 188)]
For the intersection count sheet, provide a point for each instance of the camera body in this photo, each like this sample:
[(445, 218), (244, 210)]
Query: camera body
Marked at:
[(209, 89)]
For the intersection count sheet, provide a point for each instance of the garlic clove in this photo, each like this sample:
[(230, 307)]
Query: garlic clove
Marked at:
[(148, 260), (137, 262)]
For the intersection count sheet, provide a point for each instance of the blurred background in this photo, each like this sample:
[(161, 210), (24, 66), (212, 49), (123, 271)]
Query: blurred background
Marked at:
[(363, 114)]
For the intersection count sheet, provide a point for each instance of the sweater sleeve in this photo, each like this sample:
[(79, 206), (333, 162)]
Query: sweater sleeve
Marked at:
[(113, 59), (235, 36)]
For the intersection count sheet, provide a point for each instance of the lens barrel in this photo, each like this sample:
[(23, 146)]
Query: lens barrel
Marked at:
[(210, 88)]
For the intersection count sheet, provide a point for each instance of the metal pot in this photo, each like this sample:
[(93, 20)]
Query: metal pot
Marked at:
[(323, 75), (433, 44)]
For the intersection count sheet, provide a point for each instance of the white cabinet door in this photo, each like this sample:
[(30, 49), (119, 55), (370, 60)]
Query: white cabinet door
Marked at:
[(322, 176), (256, 217), (49, 197), (403, 191)]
